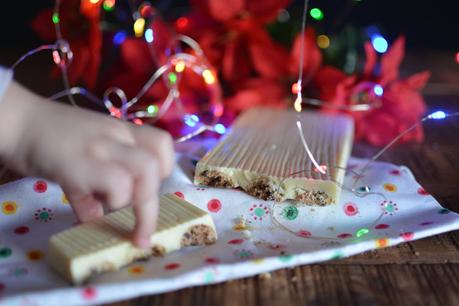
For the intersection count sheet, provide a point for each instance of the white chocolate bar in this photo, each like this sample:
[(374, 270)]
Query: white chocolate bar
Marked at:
[(104, 245), (263, 151)]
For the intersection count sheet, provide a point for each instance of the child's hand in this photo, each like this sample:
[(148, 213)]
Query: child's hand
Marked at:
[(98, 161)]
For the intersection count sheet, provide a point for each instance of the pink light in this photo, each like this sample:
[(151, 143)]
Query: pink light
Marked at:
[(56, 57), (457, 57)]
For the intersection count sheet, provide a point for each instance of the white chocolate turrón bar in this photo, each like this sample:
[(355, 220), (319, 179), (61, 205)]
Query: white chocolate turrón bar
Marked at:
[(263, 151), (104, 245)]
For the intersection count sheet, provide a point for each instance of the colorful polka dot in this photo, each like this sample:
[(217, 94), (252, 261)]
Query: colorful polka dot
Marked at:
[(236, 241), (89, 293), (395, 172), (5, 252), (136, 270), (390, 187), (350, 209), (382, 226), (64, 199), (44, 215), (277, 247), (179, 194), (40, 186), (290, 212), (214, 205), (259, 211), (389, 207), (422, 191), (258, 261), (337, 255), (211, 260), (172, 266), (344, 236), (9, 207), (243, 254), (18, 271), (21, 230), (382, 243), (407, 236), (364, 189), (426, 223), (35, 255), (285, 258), (304, 233), (444, 211), (209, 277)]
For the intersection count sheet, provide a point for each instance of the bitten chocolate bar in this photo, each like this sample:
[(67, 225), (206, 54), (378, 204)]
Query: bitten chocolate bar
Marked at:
[(104, 245), (263, 154)]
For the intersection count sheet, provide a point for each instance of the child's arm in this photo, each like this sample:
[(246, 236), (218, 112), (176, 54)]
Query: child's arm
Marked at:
[(96, 159)]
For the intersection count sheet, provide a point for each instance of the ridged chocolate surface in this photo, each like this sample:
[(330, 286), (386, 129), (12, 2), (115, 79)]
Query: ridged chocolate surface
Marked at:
[(117, 226), (267, 142)]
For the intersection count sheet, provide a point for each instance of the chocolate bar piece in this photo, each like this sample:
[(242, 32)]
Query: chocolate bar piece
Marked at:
[(104, 245), (263, 154)]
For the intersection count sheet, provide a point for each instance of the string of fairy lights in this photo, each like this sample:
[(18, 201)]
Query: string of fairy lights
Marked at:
[(178, 61)]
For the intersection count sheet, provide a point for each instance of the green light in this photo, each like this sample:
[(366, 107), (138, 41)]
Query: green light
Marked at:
[(362, 232), (152, 109), (107, 7), (56, 18), (172, 78), (316, 13)]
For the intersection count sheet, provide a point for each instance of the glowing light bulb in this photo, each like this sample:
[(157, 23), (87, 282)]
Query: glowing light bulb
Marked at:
[(297, 105), (152, 109), (323, 41), (119, 38), (362, 232), (317, 13), (137, 121), (56, 18), (208, 76), (378, 90), (172, 78), (191, 120), (149, 35), (56, 57), (220, 128), (379, 43), (139, 26), (109, 5), (438, 115), (182, 23), (94, 1), (180, 66), (295, 88), (321, 169)]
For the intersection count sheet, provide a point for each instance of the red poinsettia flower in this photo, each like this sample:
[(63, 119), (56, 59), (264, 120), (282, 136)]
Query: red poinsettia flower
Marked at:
[(400, 103), (79, 20), (233, 37), (257, 92)]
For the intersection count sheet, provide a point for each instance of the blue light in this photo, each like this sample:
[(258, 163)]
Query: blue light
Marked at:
[(220, 128), (379, 43), (378, 90), (119, 38), (149, 35), (438, 115), (191, 120)]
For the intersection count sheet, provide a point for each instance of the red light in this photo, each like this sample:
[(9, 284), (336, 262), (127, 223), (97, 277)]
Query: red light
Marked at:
[(457, 57), (137, 121), (295, 88), (182, 23)]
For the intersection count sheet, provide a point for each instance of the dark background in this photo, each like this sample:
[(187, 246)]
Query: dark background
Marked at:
[(428, 25)]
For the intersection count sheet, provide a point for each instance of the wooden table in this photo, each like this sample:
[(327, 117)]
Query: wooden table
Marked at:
[(424, 272)]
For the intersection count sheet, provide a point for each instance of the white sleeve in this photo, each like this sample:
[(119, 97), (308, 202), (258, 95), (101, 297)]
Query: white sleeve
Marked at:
[(6, 75)]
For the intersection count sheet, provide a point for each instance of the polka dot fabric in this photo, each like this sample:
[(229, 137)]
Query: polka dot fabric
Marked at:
[(31, 210)]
